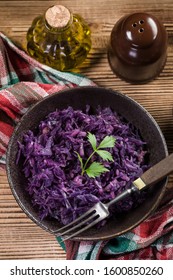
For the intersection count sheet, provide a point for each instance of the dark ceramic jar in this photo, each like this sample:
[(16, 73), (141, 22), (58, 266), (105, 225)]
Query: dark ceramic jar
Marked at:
[(137, 49)]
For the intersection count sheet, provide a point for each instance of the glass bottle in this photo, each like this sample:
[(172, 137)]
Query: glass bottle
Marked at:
[(59, 39)]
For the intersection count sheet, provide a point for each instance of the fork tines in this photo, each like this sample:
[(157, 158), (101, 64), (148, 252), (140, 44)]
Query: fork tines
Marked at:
[(79, 225)]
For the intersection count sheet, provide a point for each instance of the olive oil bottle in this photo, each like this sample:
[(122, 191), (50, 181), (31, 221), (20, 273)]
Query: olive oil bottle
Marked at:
[(59, 39)]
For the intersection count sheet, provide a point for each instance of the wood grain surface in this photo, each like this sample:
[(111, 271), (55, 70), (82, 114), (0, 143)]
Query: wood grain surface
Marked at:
[(20, 238)]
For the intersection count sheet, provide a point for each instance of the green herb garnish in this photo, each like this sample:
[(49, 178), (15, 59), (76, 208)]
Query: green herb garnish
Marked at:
[(96, 168)]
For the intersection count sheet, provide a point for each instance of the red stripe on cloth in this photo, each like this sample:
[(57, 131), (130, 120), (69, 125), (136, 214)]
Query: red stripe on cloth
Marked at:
[(150, 228), (20, 96), (8, 106), (155, 226), (46, 87), (53, 88), (18, 66), (9, 112), (2, 151), (6, 129), (71, 249)]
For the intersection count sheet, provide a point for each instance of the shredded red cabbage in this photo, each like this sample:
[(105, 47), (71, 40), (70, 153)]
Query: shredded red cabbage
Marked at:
[(52, 168)]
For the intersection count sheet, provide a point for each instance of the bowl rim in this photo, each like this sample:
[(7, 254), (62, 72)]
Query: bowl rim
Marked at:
[(39, 222)]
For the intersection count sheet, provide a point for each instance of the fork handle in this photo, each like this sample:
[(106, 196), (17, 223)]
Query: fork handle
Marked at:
[(156, 173), (122, 195)]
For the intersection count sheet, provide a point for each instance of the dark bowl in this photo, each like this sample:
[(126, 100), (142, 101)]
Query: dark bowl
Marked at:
[(78, 98)]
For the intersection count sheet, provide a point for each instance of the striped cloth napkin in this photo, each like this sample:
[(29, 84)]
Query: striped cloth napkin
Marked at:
[(24, 81)]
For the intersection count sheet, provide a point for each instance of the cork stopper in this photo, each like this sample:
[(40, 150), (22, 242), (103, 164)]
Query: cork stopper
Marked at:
[(58, 16)]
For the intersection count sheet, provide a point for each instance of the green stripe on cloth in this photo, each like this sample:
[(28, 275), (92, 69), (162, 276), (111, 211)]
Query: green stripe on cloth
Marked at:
[(121, 244)]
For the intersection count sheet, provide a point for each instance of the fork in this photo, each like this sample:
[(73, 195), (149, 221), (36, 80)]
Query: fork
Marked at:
[(100, 211)]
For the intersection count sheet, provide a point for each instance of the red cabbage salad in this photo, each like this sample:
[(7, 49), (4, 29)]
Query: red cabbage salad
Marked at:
[(51, 160)]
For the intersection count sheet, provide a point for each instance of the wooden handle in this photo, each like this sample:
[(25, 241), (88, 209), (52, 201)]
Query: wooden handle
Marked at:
[(158, 171)]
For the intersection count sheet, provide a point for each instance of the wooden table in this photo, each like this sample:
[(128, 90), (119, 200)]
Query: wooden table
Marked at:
[(20, 238)]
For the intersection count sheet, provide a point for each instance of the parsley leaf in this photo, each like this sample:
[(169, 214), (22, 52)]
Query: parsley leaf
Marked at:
[(105, 155), (92, 140), (107, 142), (95, 169)]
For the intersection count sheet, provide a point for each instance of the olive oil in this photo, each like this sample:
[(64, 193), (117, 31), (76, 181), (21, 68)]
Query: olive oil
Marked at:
[(59, 39)]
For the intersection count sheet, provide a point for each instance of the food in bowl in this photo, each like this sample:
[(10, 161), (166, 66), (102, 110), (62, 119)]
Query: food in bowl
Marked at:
[(52, 157), (78, 98)]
